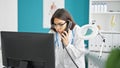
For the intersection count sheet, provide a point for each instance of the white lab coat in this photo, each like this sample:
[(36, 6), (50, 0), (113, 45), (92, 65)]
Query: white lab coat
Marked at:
[(62, 60)]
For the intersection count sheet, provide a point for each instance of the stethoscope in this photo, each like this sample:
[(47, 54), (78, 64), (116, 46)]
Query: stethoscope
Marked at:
[(57, 39)]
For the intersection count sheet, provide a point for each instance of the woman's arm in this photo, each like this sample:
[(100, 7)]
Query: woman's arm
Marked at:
[(77, 48)]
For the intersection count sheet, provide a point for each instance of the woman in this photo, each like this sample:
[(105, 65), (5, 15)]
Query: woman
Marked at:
[(67, 38)]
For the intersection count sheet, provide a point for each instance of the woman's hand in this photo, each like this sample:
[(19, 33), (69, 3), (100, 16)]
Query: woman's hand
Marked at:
[(65, 37)]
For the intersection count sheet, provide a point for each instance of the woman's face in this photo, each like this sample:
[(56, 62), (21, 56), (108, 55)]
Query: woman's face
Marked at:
[(59, 25)]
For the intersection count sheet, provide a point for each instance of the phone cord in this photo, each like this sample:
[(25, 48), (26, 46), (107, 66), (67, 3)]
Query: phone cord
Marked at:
[(70, 55)]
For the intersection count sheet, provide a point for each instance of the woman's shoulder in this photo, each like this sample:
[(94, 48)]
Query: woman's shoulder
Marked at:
[(76, 28), (76, 31), (51, 31)]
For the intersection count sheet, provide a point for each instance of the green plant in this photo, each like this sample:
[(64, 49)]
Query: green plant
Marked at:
[(113, 60)]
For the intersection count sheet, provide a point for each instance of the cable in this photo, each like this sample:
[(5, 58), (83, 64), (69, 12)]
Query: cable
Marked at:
[(101, 49), (70, 55)]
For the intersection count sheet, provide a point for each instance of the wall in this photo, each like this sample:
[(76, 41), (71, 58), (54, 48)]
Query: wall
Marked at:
[(8, 18), (30, 14), (79, 10), (8, 15)]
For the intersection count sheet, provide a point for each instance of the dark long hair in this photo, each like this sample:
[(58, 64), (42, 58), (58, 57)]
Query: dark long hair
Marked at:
[(62, 14)]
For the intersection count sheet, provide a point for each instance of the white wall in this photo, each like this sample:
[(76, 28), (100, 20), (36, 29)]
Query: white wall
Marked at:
[(8, 18), (8, 15)]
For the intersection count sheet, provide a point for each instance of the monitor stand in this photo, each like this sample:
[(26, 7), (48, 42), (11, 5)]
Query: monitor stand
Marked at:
[(23, 64)]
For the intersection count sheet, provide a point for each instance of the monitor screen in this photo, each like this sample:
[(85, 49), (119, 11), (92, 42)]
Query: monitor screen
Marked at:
[(27, 50)]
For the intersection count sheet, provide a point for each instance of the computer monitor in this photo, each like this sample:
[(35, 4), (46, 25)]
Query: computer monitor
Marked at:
[(27, 50)]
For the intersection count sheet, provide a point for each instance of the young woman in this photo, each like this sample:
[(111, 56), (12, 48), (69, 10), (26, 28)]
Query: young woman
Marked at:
[(66, 34)]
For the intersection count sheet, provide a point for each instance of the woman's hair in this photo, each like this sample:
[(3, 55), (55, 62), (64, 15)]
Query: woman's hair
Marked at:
[(63, 15)]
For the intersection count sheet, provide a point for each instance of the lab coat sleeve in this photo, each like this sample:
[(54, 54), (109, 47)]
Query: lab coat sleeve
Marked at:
[(77, 49)]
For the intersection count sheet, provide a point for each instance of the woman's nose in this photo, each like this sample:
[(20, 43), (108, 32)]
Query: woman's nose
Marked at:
[(57, 28)]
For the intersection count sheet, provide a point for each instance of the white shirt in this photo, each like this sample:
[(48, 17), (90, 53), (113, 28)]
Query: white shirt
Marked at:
[(62, 60)]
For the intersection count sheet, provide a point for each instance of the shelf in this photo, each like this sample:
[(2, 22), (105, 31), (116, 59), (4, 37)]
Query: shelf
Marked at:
[(105, 0), (106, 16), (110, 32), (106, 13)]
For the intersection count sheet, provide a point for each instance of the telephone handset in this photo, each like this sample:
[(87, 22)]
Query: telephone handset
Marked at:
[(69, 24)]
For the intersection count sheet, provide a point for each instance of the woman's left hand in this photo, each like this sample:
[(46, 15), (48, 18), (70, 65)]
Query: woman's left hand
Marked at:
[(65, 37)]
